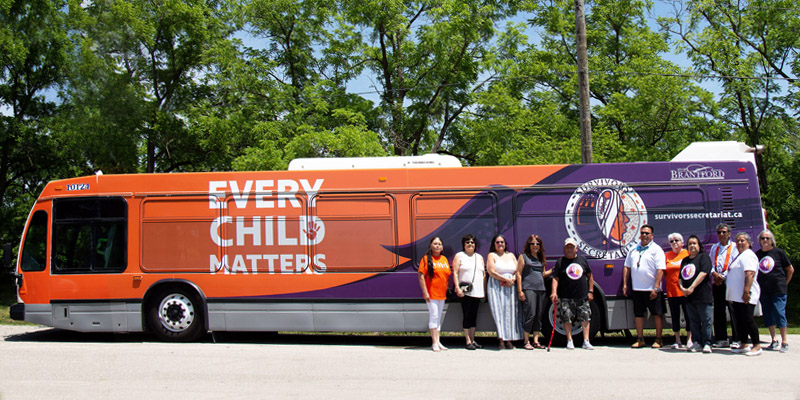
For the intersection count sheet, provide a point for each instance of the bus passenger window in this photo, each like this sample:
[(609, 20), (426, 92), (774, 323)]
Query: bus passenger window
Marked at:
[(34, 250), (90, 235)]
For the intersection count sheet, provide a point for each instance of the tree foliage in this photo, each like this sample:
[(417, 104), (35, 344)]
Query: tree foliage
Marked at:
[(132, 86)]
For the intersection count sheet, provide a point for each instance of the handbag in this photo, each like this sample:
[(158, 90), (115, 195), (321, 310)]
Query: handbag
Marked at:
[(467, 287)]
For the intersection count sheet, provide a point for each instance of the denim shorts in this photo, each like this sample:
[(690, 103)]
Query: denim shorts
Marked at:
[(774, 310)]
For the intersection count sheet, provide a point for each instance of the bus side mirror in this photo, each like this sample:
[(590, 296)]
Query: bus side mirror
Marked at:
[(7, 256)]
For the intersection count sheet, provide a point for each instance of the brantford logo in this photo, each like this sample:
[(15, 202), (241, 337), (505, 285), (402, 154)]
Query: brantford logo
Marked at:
[(696, 171), (766, 264), (604, 216), (575, 271), (687, 272)]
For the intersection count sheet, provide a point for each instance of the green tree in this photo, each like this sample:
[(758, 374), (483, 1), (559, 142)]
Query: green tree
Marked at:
[(425, 58), (138, 68), (34, 46)]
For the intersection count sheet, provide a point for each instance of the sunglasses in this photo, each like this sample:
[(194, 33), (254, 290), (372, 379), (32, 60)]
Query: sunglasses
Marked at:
[(721, 232), (469, 242), (763, 238), (535, 244), (645, 233), (674, 241), (499, 242)]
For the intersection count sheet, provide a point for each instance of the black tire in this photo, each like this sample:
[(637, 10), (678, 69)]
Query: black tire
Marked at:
[(559, 338), (175, 314)]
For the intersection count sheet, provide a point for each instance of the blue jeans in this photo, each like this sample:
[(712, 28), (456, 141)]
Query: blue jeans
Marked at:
[(774, 310), (700, 317)]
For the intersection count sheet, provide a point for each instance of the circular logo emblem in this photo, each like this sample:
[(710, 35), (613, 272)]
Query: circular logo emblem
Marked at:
[(604, 216), (688, 270), (766, 264), (575, 271)]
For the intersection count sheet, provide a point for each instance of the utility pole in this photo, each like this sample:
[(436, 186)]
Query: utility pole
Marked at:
[(583, 84)]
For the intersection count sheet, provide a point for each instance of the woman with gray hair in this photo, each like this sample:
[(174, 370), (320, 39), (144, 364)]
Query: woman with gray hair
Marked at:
[(743, 292), (675, 297), (775, 272)]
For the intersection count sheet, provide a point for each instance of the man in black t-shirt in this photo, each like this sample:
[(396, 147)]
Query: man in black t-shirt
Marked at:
[(572, 290)]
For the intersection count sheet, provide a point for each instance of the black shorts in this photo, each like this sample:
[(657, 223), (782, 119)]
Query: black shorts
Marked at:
[(642, 303)]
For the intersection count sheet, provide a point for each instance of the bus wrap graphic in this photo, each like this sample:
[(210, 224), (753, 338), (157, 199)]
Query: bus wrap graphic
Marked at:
[(604, 216)]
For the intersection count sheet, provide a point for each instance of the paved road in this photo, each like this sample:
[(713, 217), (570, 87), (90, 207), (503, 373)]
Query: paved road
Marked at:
[(46, 363)]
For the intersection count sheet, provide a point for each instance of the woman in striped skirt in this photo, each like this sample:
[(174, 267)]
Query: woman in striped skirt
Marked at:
[(502, 267)]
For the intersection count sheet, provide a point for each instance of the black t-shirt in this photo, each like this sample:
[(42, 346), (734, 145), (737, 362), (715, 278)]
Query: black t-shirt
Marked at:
[(690, 268), (573, 282), (772, 271)]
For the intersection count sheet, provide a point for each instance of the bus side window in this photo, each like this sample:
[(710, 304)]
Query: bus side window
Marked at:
[(90, 235), (34, 250)]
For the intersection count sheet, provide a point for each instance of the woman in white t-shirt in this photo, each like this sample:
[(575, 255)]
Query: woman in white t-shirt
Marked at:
[(469, 273), (743, 293)]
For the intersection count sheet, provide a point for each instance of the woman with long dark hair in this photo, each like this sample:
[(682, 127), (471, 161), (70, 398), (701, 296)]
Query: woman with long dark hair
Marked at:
[(434, 271), (530, 276), (502, 268)]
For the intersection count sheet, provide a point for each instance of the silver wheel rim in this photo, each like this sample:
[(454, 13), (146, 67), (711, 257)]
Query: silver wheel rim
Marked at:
[(176, 312)]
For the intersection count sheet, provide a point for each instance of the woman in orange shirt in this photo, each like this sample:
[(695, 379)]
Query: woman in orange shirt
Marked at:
[(677, 302), (434, 271)]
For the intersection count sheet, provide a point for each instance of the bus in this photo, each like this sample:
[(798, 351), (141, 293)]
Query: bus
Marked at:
[(334, 245)]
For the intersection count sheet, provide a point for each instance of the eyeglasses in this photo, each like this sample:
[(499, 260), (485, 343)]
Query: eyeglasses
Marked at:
[(721, 232), (674, 241)]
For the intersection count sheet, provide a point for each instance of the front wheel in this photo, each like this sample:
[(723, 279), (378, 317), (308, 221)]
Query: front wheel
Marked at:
[(176, 315), (560, 337)]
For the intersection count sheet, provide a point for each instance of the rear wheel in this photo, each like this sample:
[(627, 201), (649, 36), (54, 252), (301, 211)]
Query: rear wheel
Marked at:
[(560, 337), (175, 314)]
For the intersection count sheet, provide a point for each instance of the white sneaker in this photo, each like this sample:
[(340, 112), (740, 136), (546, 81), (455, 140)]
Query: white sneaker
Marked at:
[(570, 346), (689, 344), (752, 353), (675, 346), (736, 345), (587, 345), (784, 347), (741, 350), (706, 349), (695, 348)]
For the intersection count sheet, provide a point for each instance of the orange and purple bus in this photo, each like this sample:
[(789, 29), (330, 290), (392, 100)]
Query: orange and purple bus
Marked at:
[(333, 245)]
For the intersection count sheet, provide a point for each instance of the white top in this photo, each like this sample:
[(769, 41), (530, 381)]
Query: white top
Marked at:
[(643, 273), (472, 270), (504, 265), (720, 258), (747, 261)]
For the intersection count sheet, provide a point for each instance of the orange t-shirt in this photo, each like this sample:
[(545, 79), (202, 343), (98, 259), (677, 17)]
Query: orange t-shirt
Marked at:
[(672, 280), (437, 287)]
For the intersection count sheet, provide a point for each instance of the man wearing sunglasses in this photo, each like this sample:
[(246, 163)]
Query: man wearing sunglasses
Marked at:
[(722, 254), (646, 265)]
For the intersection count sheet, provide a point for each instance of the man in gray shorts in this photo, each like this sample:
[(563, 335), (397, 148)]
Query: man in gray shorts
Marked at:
[(572, 290)]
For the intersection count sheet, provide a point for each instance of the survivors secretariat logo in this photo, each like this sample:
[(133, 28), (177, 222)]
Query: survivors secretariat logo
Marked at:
[(604, 216), (766, 264), (575, 271), (687, 272)]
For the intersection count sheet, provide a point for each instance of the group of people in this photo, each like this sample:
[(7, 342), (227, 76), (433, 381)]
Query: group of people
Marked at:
[(514, 286), (703, 287), (707, 288)]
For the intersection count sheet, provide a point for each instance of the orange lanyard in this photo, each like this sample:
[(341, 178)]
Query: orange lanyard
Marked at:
[(727, 258)]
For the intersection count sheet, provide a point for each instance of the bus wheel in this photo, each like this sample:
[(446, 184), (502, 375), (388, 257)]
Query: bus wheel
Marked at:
[(560, 337), (175, 314)]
